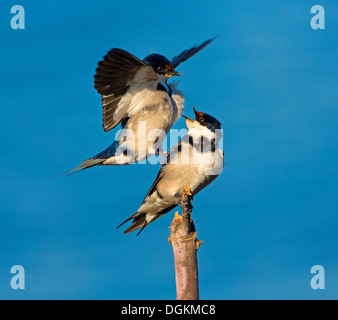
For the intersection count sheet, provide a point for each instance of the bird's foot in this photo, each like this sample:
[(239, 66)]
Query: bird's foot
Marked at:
[(186, 197), (187, 191), (177, 217)]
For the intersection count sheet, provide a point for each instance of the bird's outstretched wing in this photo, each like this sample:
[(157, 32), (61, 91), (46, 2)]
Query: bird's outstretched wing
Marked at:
[(114, 74), (185, 55)]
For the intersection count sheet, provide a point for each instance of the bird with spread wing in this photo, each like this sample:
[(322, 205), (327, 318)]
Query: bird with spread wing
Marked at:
[(136, 94)]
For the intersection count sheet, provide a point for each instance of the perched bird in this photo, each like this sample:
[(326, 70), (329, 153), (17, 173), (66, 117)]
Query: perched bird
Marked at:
[(195, 162), (135, 93)]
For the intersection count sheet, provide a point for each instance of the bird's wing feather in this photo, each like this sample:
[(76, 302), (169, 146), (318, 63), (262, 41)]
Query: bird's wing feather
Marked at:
[(172, 153), (185, 55), (114, 74)]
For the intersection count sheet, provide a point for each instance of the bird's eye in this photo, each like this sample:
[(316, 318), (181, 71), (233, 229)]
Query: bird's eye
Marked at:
[(161, 69), (201, 119)]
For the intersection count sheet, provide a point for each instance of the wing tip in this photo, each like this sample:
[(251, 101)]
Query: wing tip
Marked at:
[(187, 54)]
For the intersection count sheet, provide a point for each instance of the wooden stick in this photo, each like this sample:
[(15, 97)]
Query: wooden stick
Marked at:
[(183, 238)]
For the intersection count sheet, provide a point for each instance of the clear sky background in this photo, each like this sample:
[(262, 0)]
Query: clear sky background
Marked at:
[(272, 214)]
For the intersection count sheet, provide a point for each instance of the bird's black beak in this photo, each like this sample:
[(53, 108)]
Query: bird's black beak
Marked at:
[(189, 122), (173, 72), (197, 113), (187, 118), (176, 73)]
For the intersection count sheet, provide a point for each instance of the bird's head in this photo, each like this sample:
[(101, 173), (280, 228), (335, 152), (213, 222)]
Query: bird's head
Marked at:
[(161, 65), (203, 121)]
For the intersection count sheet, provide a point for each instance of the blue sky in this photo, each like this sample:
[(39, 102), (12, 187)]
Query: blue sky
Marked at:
[(272, 214)]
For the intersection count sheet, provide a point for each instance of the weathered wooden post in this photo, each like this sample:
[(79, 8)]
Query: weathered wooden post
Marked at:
[(183, 238)]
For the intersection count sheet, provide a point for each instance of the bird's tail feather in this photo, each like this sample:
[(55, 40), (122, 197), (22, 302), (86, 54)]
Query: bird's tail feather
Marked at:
[(93, 161), (86, 164), (139, 223), (140, 220)]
